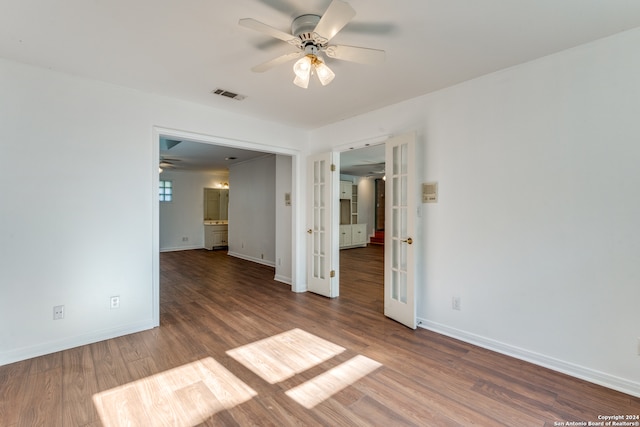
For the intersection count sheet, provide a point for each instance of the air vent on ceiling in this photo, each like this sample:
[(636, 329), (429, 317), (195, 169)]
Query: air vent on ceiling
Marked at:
[(228, 94)]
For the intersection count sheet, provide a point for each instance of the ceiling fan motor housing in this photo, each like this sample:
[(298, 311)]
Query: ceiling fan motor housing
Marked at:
[(303, 28)]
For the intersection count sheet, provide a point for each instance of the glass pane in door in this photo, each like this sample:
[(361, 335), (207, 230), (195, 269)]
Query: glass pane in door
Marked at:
[(318, 234), (401, 203), (399, 219)]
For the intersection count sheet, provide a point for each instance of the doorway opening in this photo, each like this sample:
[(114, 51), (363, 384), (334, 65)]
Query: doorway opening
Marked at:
[(400, 214), (200, 161), (362, 208)]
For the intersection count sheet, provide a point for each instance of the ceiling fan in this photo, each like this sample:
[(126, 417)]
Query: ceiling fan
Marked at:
[(311, 35), (367, 169), (167, 163)]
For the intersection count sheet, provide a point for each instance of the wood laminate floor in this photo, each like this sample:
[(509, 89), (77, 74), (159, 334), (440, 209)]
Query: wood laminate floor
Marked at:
[(236, 348)]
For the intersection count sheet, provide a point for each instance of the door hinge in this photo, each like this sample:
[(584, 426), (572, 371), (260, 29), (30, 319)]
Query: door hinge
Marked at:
[(332, 273), (333, 167)]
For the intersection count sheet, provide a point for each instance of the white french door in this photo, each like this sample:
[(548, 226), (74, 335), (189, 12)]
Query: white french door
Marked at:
[(322, 224), (399, 256)]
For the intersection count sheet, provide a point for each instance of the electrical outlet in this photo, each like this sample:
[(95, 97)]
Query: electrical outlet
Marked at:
[(58, 312), (638, 346), (115, 302), (185, 239), (455, 303)]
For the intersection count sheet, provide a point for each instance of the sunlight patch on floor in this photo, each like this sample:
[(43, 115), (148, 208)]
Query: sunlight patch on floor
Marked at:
[(316, 390), (181, 397), (282, 356)]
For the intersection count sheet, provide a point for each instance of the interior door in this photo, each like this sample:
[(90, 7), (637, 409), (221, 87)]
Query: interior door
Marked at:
[(399, 257), (322, 224)]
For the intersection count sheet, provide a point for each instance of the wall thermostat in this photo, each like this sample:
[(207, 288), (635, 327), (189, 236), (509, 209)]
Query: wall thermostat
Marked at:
[(430, 192)]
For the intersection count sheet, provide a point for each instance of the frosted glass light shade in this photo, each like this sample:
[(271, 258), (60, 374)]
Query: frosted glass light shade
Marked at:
[(310, 64), (302, 67), (302, 82), (325, 75)]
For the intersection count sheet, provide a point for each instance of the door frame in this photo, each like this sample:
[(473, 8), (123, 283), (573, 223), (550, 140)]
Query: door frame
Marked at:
[(297, 219)]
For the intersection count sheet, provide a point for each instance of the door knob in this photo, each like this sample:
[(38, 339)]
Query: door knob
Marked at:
[(310, 231), (409, 241)]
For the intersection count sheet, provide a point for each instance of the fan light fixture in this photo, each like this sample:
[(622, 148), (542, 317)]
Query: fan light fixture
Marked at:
[(311, 35), (311, 64)]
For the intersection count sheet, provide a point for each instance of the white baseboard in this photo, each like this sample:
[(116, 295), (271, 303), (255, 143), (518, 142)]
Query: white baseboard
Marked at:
[(300, 287), (252, 259), (283, 279), (587, 374), (180, 248), (360, 245), (72, 342)]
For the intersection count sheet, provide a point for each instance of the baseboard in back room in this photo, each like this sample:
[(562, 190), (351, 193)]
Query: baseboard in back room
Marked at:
[(180, 248), (252, 259)]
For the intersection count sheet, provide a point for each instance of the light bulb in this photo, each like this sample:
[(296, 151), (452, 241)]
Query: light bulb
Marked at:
[(302, 67), (325, 75)]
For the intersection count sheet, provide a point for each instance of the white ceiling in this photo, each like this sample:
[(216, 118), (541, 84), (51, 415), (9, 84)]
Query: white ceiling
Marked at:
[(189, 155), (185, 49)]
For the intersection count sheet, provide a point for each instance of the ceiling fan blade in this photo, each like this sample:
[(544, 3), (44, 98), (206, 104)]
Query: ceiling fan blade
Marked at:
[(267, 29), (276, 61), (337, 15), (361, 55)]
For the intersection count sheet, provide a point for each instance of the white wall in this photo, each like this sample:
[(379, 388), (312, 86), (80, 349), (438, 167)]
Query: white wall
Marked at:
[(78, 178), (367, 203), (536, 228), (284, 218), (183, 217), (252, 210)]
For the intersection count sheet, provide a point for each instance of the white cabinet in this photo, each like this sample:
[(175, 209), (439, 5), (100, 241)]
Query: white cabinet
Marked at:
[(354, 204), (215, 235), (345, 235), (348, 203), (346, 190), (352, 235), (358, 234)]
